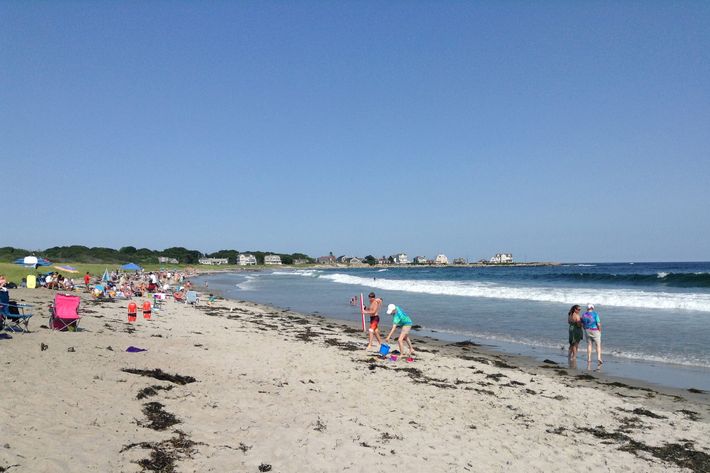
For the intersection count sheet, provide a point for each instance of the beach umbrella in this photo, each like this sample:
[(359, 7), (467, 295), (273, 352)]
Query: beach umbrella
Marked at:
[(68, 269), (131, 267), (106, 276), (32, 261)]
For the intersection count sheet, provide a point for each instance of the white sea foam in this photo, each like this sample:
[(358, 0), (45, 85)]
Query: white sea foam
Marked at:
[(608, 297), (247, 284), (382, 270), (586, 265), (661, 275), (311, 273)]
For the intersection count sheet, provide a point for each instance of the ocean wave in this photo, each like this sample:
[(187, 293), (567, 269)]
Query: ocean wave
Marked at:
[(604, 297), (310, 273), (668, 279)]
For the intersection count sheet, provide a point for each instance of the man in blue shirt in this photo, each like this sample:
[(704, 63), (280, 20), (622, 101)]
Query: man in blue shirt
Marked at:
[(593, 333)]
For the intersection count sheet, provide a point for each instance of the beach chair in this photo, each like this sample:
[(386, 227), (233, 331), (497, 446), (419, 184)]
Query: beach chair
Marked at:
[(64, 313), (191, 297), (13, 314)]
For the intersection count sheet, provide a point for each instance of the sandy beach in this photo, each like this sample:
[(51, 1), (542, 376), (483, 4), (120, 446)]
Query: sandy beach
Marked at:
[(244, 387)]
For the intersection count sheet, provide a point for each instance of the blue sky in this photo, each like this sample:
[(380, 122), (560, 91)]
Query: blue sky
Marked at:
[(558, 131)]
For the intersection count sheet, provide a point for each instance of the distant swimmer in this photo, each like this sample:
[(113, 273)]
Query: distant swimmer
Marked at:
[(374, 311), (353, 300), (400, 319)]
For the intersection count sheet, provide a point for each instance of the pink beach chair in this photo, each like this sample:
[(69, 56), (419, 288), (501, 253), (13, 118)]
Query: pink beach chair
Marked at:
[(64, 313)]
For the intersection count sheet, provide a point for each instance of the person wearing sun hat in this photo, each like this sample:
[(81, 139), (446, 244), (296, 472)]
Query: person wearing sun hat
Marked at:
[(400, 319), (593, 333)]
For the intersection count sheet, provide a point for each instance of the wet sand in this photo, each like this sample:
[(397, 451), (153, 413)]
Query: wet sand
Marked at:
[(245, 387)]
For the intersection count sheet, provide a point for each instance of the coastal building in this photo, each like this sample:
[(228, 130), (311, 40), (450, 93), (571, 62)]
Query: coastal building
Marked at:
[(383, 260), (330, 259), (213, 261), (420, 260), (441, 259), (502, 258), (246, 259), (166, 260), (272, 259), (300, 261), (400, 258), (460, 261)]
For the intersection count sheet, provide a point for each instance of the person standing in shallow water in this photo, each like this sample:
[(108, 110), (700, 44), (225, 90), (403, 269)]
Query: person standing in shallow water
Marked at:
[(576, 333), (374, 311), (593, 333)]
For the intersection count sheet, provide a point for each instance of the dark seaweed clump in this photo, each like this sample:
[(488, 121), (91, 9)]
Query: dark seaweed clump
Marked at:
[(682, 454), (152, 391), (158, 418), (161, 375), (164, 455)]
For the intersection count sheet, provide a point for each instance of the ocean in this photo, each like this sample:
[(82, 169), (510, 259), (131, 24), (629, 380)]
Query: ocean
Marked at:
[(655, 316)]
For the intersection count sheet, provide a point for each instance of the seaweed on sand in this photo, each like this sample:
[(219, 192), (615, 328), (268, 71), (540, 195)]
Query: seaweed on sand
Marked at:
[(161, 375), (683, 454), (158, 418), (152, 391), (164, 455)]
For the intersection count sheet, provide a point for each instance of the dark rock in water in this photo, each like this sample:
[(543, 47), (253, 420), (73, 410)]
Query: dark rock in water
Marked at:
[(550, 362), (696, 391), (416, 327)]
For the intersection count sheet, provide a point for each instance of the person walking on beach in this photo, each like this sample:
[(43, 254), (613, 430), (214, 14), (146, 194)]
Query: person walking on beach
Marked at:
[(593, 333), (575, 333), (87, 280), (401, 319), (374, 311)]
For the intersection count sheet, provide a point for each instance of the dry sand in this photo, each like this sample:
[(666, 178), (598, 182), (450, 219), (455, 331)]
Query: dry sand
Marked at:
[(279, 391)]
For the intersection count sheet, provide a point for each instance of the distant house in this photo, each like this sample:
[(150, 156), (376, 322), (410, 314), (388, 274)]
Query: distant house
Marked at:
[(246, 260), (213, 261), (300, 261), (166, 260), (272, 259), (400, 258), (441, 259), (383, 260), (420, 260), (326, 259), (355, 261), (460, 261), (502, 258)]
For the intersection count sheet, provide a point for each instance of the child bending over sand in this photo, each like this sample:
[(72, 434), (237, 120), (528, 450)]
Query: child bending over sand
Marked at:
[(402, 320)]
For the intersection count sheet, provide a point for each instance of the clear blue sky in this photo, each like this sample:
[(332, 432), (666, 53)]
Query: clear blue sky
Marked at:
[(565, 131)]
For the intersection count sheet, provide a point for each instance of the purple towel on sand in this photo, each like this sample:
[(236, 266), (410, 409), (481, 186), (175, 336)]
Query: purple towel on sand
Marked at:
[(133, 349)]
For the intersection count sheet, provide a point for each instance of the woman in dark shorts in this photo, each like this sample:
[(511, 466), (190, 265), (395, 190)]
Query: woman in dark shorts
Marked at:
[(575, 332)]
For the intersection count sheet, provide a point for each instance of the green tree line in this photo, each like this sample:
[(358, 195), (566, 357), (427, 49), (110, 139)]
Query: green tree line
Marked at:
[(84, 254)]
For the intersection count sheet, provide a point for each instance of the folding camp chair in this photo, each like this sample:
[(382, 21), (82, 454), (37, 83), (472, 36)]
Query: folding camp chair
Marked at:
[(64, 313), (13, 314), (191, 297)]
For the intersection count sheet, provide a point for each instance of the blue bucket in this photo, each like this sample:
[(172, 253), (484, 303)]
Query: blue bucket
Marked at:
[(384, 349)]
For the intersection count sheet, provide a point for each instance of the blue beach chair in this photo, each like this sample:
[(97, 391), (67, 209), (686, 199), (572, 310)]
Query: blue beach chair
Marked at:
[(13, 314)]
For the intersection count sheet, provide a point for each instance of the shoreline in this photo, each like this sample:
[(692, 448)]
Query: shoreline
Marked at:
[(246, 386)]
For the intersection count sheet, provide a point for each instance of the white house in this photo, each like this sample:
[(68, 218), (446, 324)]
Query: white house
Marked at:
[(401, 258), (420, 260), (501, 258), (272, 259), (213, 261), (246, 260), (441, 259), (165, 259)]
